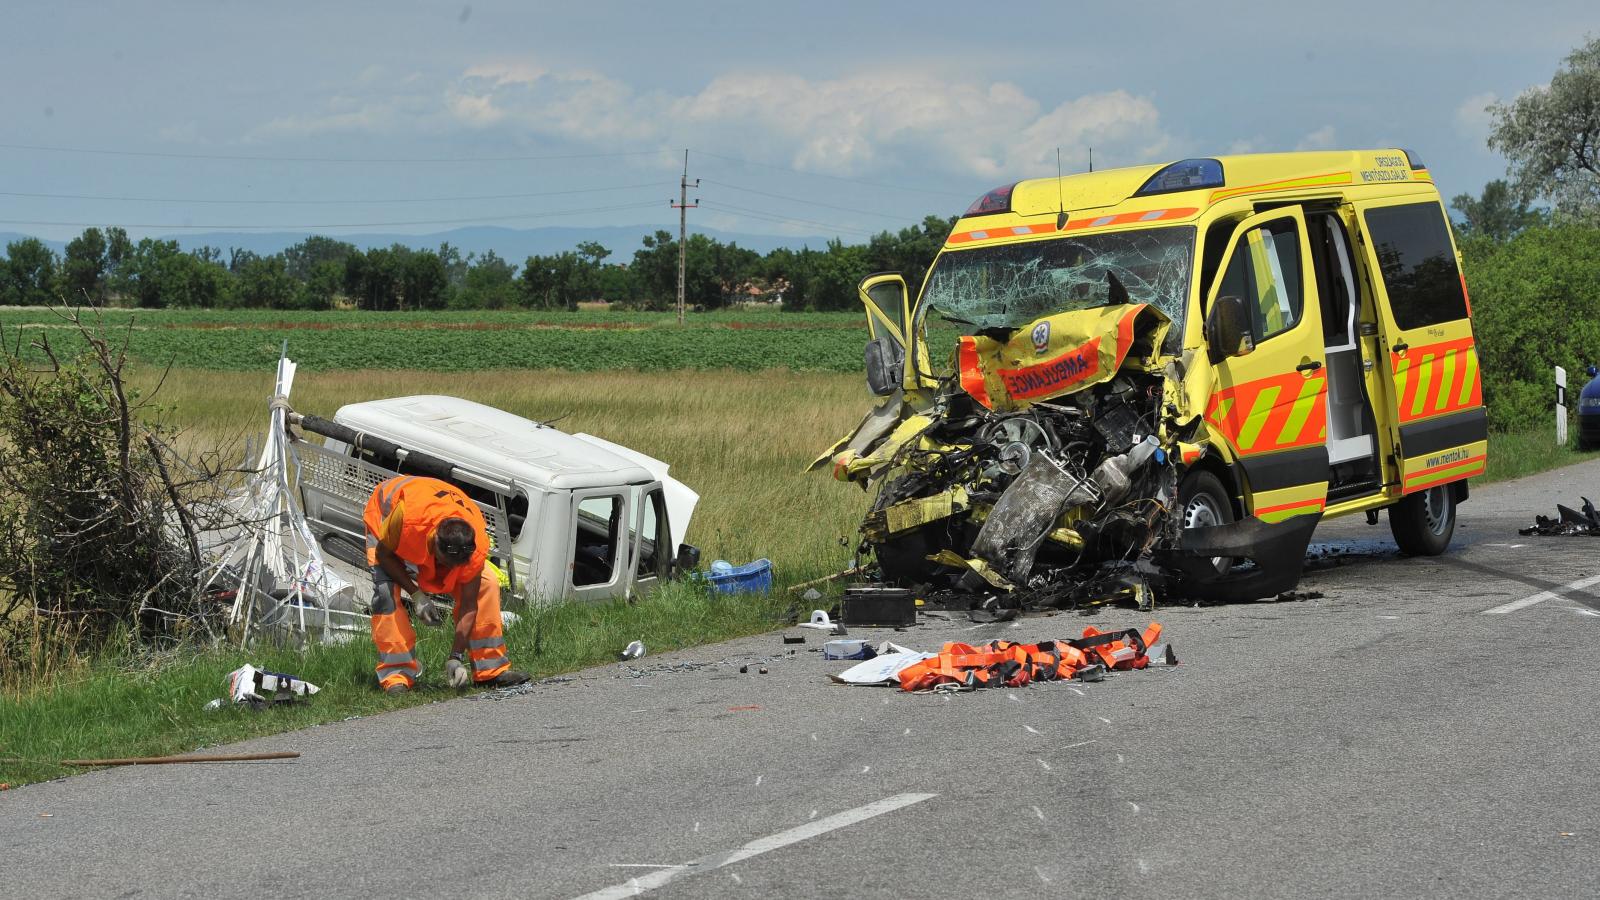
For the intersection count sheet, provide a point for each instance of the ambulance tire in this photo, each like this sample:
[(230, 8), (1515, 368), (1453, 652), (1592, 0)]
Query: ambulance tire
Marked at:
[(1203, 501), (1423, 522)]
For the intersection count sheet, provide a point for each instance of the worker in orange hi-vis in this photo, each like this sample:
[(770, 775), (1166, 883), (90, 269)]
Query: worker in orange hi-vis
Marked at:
[(424, 536)]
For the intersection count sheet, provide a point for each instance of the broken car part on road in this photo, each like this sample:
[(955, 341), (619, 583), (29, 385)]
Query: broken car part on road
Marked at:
[(1568, 522)]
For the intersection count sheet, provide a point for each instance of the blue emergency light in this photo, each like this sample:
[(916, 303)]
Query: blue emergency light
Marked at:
[(1183, 175)]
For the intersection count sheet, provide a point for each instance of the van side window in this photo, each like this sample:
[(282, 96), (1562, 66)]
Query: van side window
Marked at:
[(594, 550), (1265, 274), (1412, 244)]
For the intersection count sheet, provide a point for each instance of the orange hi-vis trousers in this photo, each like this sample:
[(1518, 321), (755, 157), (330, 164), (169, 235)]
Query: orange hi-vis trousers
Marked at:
[(397, 641)]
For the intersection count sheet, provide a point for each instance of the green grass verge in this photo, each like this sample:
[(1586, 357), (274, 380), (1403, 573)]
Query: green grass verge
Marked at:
[(155, 706), (1518, 454)]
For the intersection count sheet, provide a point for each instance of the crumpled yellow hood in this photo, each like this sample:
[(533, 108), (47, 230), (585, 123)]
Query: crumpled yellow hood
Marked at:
[(1059, 354)]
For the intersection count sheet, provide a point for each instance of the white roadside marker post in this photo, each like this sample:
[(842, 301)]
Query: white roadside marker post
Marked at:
[(1561, 407)]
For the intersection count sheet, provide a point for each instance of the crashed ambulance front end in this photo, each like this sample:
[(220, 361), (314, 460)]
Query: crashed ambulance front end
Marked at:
[(1058, 458)]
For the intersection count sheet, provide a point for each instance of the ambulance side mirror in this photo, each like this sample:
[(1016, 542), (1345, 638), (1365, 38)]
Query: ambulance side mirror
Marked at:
[(885, 363), (1228, 329)]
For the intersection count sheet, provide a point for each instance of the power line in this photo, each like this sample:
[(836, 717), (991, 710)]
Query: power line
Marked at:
[(327, 159), (770, 217), (865, 212), (213, 227), (876, 184), (351, 202)]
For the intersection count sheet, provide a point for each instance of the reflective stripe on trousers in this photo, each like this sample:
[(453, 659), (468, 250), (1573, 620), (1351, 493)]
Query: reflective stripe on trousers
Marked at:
[(392, 634), (486, 643)]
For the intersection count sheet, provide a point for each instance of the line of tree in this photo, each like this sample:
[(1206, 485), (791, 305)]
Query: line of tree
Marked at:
[(1534, 270), (107, 267)]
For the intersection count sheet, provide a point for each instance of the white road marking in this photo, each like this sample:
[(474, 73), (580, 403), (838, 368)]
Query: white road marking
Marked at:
[(1132, 805), (650, 882), (1583, 611), (1078, 692), (865, 769), (1104, 719), (758, 780), (1045, 765), (1541, 597), (1030, 729), (1079, 744), (645, 866), (1039, 812)]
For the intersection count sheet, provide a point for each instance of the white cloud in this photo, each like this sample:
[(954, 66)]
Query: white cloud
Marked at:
[(1321, 139), (855, 124), (1472, 116)]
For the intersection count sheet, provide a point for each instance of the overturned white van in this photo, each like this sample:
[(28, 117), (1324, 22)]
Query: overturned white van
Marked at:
[(570, 516)]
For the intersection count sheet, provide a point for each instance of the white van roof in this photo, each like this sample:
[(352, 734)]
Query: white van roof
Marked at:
[(492, 442)]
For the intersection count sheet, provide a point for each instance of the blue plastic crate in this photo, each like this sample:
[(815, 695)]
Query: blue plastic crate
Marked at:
[(750, 578)]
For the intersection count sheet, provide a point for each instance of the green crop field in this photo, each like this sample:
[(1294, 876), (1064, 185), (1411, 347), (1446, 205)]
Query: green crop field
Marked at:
[(583, 341)]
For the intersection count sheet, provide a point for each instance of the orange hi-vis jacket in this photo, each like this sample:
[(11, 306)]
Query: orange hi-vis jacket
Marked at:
[(402, 515), (1014, 665)]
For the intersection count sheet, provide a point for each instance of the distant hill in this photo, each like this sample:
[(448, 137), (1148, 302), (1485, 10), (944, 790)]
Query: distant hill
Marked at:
[(512, 244)]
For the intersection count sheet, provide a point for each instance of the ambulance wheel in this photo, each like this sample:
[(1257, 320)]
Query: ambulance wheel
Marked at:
[(1423, 522), (1204, 502)]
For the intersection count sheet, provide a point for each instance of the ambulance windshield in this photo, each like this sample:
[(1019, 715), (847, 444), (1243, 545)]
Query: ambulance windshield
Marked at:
[(1010, 285)]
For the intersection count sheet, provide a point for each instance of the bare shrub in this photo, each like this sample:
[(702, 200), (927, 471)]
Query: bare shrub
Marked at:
[(100, 518)]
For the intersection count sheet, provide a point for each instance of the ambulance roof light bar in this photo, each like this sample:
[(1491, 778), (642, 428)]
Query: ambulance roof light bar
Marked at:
[(996, 201)]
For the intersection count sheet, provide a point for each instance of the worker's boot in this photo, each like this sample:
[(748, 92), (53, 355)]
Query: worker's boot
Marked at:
[(397, 689), (508, 678)]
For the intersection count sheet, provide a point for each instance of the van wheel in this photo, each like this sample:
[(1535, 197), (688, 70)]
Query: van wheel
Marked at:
[(1423, 522), (1203, 502)]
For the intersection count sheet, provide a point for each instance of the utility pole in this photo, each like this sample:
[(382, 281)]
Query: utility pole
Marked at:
[(683, 206)]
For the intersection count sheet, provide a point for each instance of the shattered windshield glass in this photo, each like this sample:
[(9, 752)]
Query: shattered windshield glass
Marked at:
[(1011, 285)]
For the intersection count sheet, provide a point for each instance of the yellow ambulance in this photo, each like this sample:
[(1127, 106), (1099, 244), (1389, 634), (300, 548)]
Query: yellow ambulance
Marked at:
[(1171, 373)]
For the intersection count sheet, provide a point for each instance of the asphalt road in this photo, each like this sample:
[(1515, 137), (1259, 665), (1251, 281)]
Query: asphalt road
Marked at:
[(1392, 738)]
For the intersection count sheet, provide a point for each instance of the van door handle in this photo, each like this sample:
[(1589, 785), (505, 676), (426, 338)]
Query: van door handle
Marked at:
[(1400, 347), (1311, 366)]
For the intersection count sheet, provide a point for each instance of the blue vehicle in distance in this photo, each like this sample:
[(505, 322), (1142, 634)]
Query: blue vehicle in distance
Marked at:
[(1589, 412)]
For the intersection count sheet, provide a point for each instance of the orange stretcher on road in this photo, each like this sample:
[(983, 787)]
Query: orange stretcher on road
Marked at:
[(1013, 665)]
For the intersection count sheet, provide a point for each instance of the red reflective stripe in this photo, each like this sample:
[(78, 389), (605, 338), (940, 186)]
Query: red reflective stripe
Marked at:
[(971, 373), (1137, 217), (1319, 504)]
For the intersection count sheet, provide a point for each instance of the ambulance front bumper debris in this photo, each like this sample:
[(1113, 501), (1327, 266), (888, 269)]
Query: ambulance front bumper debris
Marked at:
[(1277, 550)]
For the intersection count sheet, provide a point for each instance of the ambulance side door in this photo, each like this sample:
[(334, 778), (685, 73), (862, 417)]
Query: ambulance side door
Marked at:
[(1269, 404), (1433, 407)]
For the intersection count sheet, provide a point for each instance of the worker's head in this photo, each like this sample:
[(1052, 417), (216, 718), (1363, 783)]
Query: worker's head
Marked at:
[(453, 543)]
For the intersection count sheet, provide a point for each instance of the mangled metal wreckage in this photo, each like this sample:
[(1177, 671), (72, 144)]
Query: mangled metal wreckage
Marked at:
[(1061, 461)]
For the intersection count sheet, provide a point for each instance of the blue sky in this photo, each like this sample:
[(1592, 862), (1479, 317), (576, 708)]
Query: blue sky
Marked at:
[(803, 118)]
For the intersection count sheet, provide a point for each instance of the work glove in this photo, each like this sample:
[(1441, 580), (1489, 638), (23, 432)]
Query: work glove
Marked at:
[(423, 607), (455, 672)]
